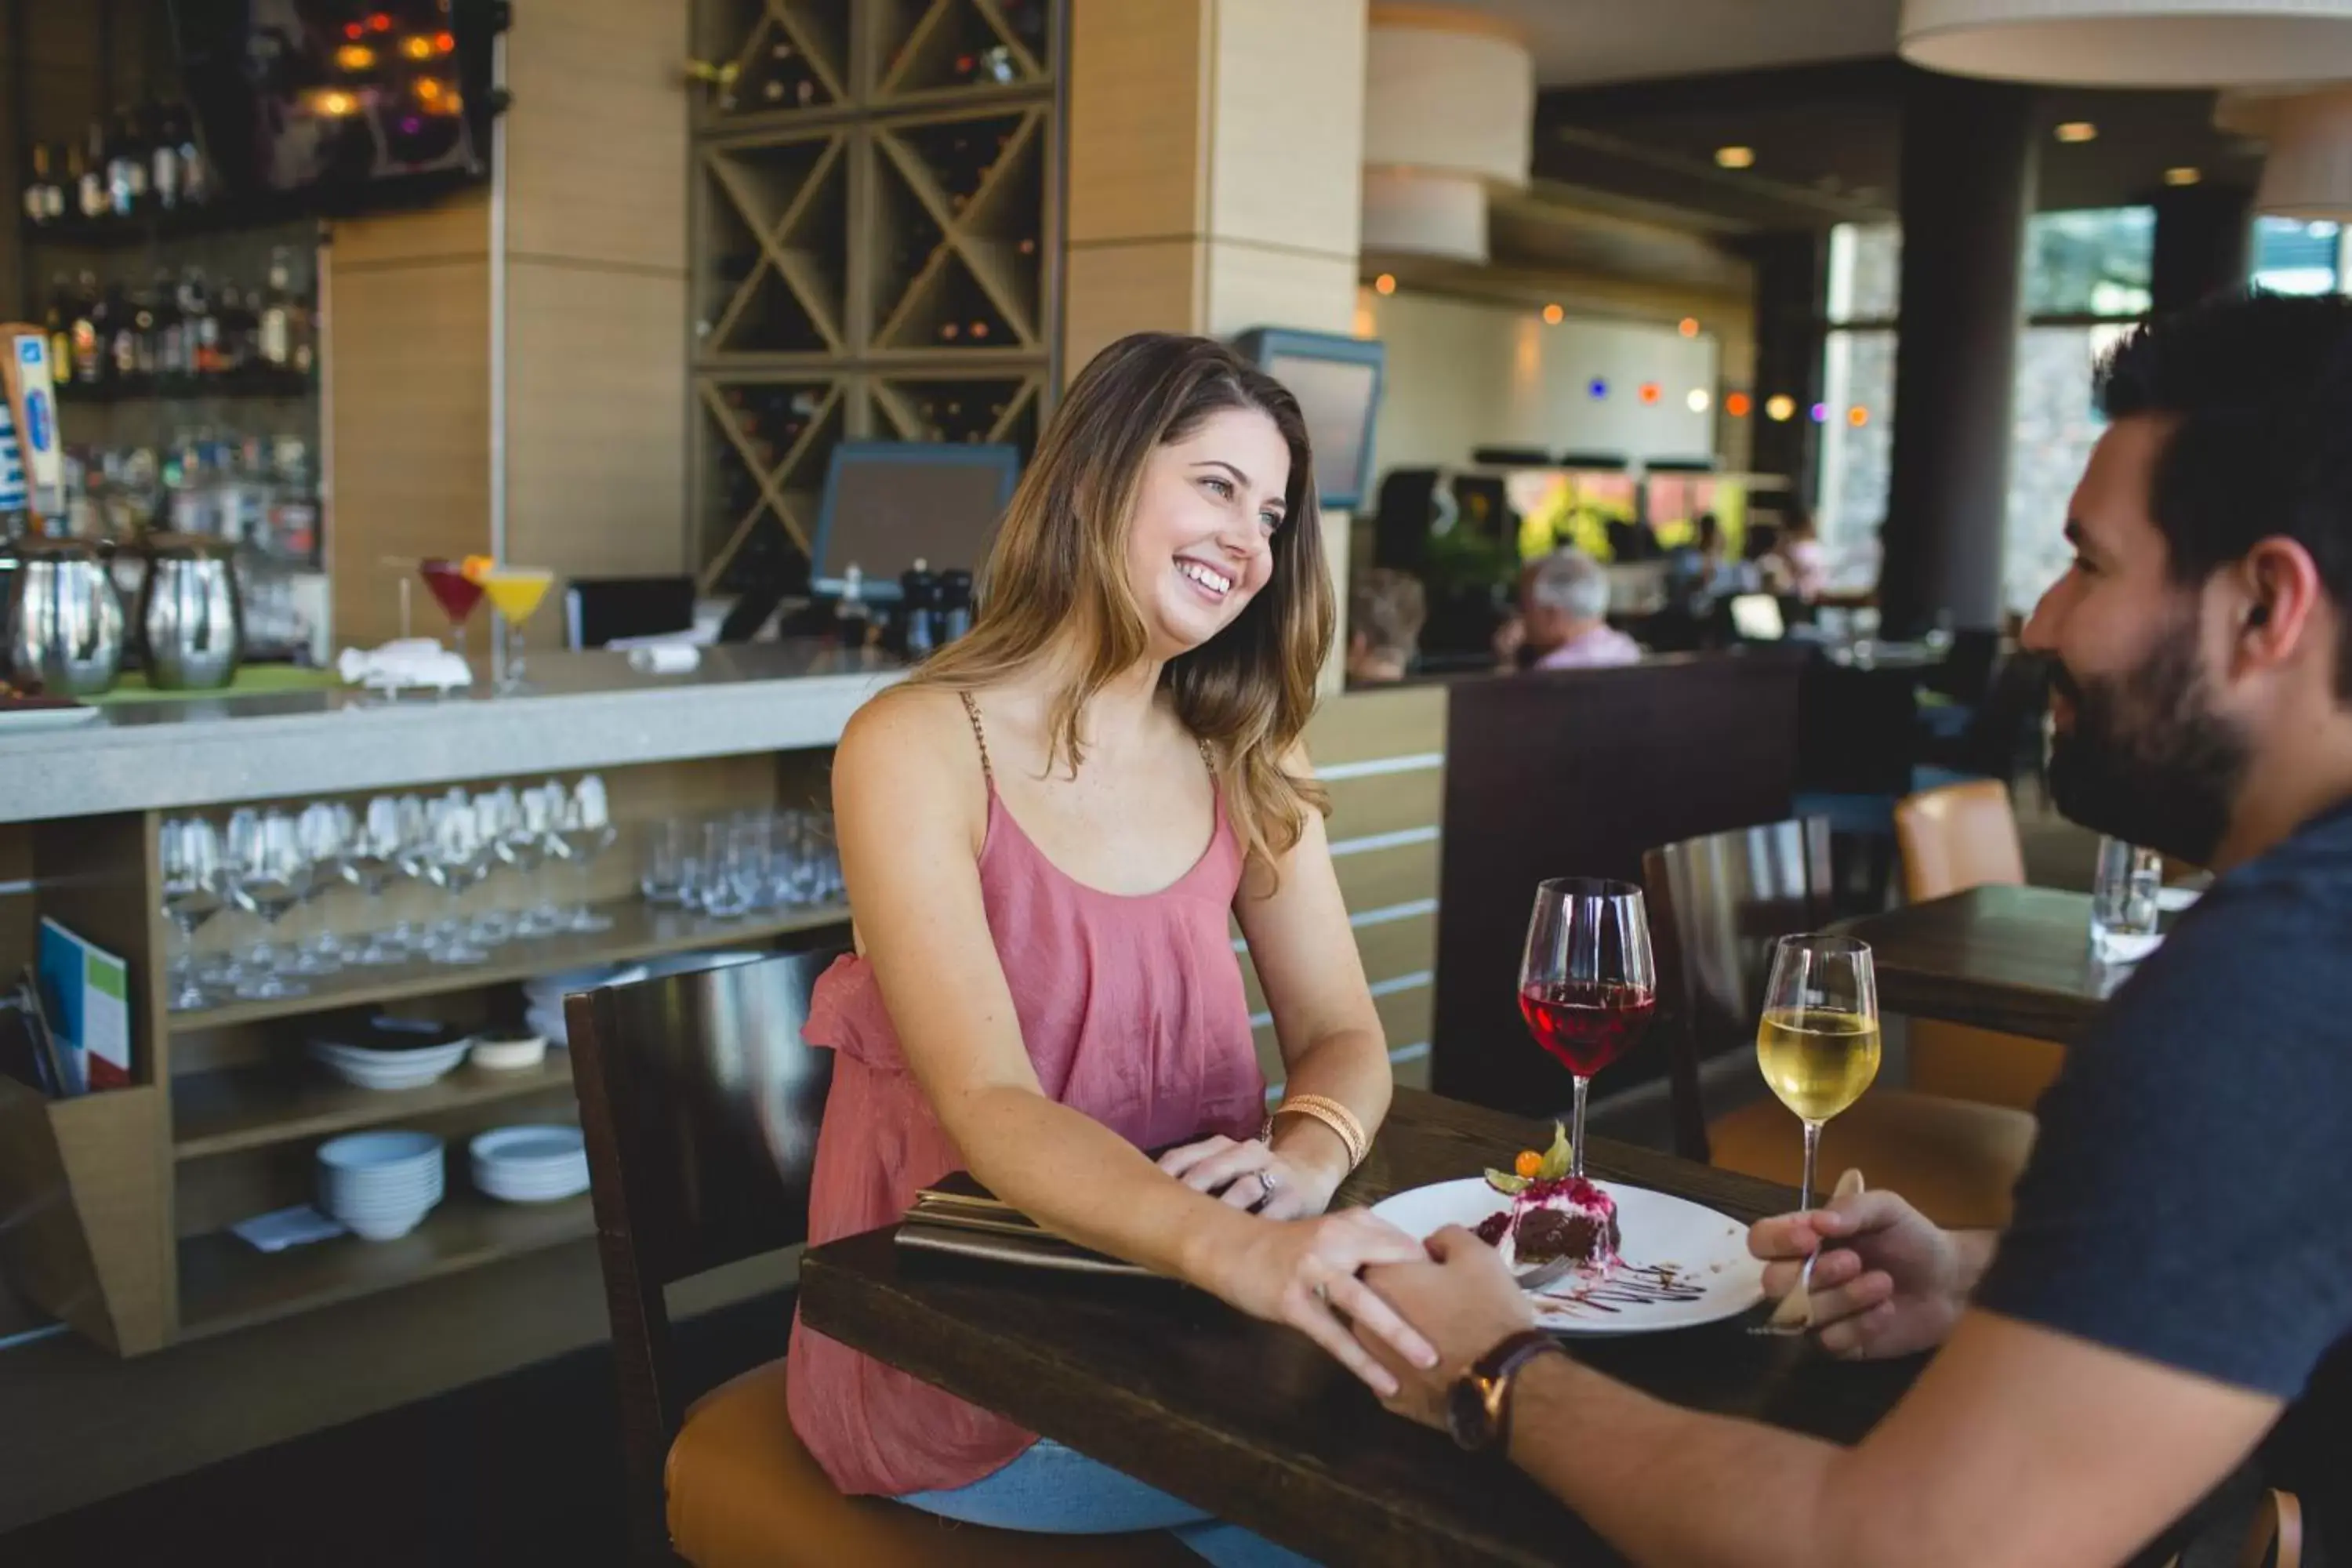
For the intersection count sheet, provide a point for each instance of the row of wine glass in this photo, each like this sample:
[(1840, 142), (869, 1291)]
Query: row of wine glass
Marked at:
[(272, 862)]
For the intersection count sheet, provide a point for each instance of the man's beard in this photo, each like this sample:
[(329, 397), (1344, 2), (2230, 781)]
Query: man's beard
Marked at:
[(2148, 761)]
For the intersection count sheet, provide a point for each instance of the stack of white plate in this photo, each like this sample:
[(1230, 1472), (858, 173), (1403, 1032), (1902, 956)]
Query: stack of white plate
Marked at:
[(530, 1164), (379, 1185)]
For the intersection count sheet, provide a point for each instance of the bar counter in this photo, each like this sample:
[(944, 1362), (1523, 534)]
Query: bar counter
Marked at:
[(582, 710)]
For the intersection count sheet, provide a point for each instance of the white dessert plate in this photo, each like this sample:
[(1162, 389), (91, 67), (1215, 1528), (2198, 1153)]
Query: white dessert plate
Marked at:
[(1684, 1265)]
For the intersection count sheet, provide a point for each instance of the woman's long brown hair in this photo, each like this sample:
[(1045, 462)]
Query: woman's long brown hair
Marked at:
[(1059, 566)]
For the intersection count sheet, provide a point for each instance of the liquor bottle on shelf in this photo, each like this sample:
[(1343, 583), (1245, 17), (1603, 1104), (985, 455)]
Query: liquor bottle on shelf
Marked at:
[(45, 198), (163, 178), (194, 176), (237, 332), (88, 162), (145, 330), (285, 334), (120, 331), (126, 167), (87, 332), (173, 365), (201, 327)]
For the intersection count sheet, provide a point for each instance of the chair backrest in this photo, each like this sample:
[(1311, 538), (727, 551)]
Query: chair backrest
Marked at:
[(1715, 905), (1960, 836), (699, 1103)]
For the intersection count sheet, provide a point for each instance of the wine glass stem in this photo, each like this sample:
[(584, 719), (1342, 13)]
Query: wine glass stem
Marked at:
[(1576, 1128), (1813, 1153)]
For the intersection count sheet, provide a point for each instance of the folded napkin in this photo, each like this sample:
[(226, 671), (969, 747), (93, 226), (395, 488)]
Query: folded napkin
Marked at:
[(404, 664), (665, 658)]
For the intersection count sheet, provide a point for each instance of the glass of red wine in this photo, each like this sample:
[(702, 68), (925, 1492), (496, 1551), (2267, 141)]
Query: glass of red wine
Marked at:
[(1587, 984)]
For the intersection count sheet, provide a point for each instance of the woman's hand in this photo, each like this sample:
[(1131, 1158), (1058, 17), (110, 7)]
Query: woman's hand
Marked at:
[(1304, 1273), (1251, 1175)]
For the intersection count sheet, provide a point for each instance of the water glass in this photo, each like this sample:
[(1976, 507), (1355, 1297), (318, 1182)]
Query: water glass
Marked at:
[(662, 877), (585, 831), (726, 876), (2124, 907)]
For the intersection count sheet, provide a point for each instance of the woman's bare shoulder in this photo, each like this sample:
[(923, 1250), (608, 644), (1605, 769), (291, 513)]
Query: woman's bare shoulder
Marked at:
[(915, 738)]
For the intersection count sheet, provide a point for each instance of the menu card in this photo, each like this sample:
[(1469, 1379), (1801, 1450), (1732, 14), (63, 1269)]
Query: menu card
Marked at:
[(956, 1215)]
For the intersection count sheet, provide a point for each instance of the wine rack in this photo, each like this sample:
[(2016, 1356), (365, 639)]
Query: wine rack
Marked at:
[(874, 232)]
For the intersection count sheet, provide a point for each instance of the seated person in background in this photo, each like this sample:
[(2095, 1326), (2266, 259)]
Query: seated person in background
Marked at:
[(1798, 566), (1563, 622), (1703, 572), (1385, 612), (2178, 1272)]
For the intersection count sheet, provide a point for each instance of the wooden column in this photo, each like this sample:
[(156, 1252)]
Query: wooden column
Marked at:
[(594, 256), (1215, 156)]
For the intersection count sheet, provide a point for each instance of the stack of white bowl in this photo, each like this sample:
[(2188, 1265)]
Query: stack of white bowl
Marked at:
[(379, 1184), (530, 1164)]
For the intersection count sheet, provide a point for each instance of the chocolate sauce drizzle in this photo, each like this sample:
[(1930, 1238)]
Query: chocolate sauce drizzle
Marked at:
[(1651, 1284)]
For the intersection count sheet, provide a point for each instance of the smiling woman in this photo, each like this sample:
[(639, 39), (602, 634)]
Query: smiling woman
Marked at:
[(1045, 832)]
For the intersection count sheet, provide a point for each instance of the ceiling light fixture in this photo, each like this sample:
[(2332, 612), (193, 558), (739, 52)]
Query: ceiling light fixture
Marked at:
[(1735, 157), (1698, 400), (2183, 176), (2075, 131), (1737, 405), (2131, 43), (1780, 408), (1688, 326), (1553, 315), (1384, 284)]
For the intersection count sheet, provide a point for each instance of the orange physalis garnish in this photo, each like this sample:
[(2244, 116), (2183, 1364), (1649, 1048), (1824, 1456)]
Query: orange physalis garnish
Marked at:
[(1527, 1164)]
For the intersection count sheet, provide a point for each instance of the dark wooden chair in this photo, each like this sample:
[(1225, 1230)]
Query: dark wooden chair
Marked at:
[(700, 1105), (1716, 904)]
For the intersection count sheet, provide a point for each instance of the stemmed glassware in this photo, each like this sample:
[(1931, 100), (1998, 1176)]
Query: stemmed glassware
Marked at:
[(270, 875), (456, 857), (321, 832), (525, 842), (515, 594), (195, 883), (1587, 984), (1818, 1040), (584, 831), (456, 594), (371, 859)]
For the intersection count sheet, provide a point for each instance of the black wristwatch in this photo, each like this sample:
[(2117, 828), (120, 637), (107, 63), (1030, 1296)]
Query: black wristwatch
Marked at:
[(1479, 1408)]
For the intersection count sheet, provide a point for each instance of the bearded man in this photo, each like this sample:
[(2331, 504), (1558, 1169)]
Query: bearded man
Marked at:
[(2175, 1285)]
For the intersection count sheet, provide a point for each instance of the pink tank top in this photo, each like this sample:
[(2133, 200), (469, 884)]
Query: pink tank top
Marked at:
[(1132, 1011)]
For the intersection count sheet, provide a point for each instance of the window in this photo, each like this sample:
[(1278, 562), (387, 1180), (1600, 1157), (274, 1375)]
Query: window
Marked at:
[(2086, 279), (2291, 256)]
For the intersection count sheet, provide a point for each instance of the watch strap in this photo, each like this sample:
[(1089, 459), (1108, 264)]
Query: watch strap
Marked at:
[(1499, 1370)]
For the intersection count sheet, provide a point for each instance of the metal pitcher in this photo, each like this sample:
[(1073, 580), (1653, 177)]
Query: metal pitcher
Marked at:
[(65, 621), (190, 620)]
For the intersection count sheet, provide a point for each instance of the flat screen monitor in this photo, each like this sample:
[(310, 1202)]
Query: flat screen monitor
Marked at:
[(1337, 381), (338, 105), (889, 504)]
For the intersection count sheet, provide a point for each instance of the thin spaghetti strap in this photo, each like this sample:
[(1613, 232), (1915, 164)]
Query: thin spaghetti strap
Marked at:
[(972, 712)]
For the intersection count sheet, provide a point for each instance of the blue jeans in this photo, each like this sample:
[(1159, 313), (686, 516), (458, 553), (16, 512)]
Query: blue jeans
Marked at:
[(1056, 1490)]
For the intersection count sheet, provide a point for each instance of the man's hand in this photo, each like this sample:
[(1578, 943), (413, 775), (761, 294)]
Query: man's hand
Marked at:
[(1464, 1301), (1890, 1284)]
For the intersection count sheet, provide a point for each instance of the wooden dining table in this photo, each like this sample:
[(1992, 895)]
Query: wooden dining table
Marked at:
[(1253, 1423), (2014, 959)]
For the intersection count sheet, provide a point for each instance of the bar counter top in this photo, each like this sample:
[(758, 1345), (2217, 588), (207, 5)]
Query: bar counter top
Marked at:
[(582, 710)]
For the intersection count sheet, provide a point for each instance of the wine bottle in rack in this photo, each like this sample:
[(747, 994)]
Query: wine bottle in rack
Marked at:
[(88, 329), (126, 167), (45, 198)]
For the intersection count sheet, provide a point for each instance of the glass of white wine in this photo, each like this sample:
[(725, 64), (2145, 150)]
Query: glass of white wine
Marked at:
[(1818, 1043)]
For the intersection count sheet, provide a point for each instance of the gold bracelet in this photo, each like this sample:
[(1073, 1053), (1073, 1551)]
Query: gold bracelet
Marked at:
[(1341, 1120)]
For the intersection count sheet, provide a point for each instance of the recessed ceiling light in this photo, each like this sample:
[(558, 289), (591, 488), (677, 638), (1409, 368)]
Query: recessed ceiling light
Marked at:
[(2077, 131), (1735, 157), (1385, 283), (2183, 176)]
